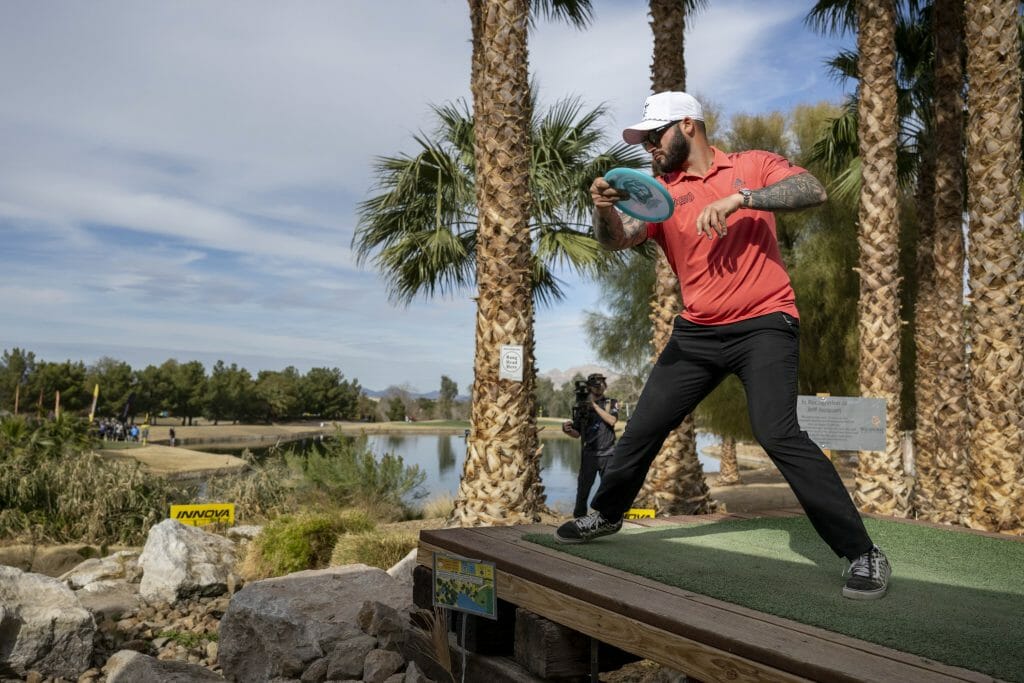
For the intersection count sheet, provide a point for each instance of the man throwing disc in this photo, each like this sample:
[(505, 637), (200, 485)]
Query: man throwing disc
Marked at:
[(739, 316)]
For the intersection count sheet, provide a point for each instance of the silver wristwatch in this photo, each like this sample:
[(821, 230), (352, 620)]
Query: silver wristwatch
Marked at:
[(746, 197)]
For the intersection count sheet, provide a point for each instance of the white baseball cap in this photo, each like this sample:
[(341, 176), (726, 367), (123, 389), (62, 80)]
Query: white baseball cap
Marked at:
[(663, 108)]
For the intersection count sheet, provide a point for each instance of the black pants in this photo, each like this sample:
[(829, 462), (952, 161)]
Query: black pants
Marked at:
[(591, 464), (764, 353)]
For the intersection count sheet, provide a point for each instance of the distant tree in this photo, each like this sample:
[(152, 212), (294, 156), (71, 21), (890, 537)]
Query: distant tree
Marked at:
[(426, 408), (367, 410), (16, 366), (217, 403), (325, 392), (545, 389), (278, 393), (116, 381), (449, 390), (190, 389), (68, 378), (396, 409)]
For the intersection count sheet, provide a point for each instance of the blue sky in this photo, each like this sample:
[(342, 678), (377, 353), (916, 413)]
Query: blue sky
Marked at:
[(179, 180)]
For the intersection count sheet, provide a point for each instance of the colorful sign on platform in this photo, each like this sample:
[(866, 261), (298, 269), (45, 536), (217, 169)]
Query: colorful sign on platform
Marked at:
[(639, 513), (207, 513), (465, 585)]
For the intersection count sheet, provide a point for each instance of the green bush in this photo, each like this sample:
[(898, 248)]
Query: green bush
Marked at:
[(54, 488), (350, 475), (295, 543)]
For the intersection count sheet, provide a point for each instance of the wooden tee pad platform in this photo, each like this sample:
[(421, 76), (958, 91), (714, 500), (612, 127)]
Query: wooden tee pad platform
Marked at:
[(707, 639)]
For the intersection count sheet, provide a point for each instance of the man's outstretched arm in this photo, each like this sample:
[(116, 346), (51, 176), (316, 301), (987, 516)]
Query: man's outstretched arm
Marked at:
[(800, 191)]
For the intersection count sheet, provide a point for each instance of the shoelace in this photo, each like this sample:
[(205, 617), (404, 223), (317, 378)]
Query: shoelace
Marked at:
[(866, 565), (589, 522)]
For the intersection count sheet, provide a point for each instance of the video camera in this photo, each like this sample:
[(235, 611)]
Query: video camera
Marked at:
[(581, 410)]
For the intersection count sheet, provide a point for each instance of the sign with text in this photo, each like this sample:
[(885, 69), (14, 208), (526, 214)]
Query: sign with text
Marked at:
[(465, 585), (843, 423), (201, 515), (511, 366), (639, 513)]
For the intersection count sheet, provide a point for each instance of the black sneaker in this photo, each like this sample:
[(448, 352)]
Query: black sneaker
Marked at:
[(869, 576), (588, 527)]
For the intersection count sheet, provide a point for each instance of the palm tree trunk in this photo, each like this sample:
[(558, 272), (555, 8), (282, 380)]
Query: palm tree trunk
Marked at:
[(996, 259), (675, 483), (729, 469), (881, 485), (501, 477), (941, 433)]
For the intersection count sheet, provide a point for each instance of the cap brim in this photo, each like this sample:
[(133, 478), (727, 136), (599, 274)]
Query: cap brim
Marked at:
[(636, 133)]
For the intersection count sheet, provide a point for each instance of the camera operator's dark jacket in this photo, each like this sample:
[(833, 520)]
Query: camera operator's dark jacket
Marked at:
[(598, 436)]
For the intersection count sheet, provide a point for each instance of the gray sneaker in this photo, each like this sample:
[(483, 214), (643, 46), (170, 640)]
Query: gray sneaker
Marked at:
[(869, 576), (586, 528)]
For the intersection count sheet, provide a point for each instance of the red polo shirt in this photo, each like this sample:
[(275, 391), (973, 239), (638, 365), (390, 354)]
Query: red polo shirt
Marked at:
[(740, 276)]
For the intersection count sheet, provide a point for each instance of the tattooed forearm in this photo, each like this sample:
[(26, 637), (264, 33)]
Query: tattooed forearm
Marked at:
[(614, 231), (796, 192)]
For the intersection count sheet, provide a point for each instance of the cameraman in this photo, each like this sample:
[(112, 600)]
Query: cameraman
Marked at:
[(594, 423)]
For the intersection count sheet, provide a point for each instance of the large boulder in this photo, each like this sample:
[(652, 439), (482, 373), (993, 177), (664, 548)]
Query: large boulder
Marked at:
[(129, 666), (180, 561), (277, 628), (43, 627)]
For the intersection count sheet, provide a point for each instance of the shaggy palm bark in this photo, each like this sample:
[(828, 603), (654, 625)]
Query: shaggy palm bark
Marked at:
[(941, 434), (996, 265), (501, 478), (675, 483), (729, 469), (881, 484)]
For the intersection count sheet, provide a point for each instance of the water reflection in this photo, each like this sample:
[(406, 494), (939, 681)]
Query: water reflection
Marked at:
[(440, 458)]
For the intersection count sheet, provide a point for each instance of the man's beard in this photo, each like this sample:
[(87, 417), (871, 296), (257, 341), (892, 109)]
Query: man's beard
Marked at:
[(675, 156)]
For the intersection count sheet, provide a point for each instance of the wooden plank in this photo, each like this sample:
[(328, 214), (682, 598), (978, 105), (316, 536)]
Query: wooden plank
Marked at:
[(787, 646)]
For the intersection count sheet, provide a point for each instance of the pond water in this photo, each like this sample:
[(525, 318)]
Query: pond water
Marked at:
[(440, 458)]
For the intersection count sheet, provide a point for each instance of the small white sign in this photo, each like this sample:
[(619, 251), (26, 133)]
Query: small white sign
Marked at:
[(511, 363)]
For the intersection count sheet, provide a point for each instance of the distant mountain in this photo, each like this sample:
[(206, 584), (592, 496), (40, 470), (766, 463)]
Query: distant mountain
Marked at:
[(560, 377)]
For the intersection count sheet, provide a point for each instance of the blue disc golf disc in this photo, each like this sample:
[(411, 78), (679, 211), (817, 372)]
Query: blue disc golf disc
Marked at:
[(648, 199)]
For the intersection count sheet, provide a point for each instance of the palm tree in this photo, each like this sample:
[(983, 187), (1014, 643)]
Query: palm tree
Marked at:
[(940, 392), (881, 485), (996, 388), (675, 483), (426, 232)]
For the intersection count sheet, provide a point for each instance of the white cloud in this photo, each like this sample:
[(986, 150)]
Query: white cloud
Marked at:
[(182, 177)]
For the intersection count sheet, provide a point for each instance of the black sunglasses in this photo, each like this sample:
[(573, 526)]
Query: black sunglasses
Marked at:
[(653, 137)]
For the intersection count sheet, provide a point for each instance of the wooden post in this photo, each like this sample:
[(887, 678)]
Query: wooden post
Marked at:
[(17, 395)]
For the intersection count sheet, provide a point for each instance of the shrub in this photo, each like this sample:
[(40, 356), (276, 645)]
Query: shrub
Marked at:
[(352, 476), (53, 488), (295, 543), (373, 548)]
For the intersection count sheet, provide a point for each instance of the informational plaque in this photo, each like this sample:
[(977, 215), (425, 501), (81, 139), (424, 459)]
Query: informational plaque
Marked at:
[(843, 423), (465, 585)]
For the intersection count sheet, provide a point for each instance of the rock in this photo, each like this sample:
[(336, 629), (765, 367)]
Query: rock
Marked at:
[(279, 627), (43, 626), (317, 671), (385, 623), (380, 665), (243, 532), (128, 666), (402, 570), (181, 561), (414, 675), (123, 565), (346, 661), (109, 599)]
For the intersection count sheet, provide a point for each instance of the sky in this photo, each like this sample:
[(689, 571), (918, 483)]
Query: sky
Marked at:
[(181, 179)]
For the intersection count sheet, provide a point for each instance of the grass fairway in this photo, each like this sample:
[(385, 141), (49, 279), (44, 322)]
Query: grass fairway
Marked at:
[(955, 597)]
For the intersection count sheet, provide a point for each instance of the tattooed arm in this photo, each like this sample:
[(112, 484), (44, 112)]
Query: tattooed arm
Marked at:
[(799, 191), (796, 192), (612, 230)]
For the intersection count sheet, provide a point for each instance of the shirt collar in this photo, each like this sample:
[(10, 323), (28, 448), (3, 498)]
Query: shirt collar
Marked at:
[(721, 160)]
